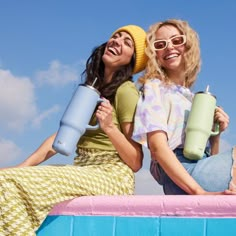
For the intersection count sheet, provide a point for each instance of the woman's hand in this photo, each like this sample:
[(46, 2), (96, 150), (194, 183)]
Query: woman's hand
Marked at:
[(104, 115), (129, 151), (222, 118), (229, 192), (3, 168)]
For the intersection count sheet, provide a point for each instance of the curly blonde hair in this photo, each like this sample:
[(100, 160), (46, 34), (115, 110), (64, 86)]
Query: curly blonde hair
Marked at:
[(192, 58)]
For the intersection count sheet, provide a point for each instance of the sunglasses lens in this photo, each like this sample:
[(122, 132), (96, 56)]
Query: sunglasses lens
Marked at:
[(178, 40), (159, 44)]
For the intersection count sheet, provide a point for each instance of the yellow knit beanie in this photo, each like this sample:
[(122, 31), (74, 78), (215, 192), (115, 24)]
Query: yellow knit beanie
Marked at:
[(139, 37)]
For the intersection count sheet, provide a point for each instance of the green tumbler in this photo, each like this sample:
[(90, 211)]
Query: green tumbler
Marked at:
[(200, 124)]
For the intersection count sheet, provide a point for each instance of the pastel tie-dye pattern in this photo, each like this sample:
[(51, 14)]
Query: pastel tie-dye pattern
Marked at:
[(163, 107)]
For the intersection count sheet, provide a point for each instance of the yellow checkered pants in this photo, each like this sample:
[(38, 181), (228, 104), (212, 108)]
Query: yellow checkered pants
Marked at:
[(28, 194)]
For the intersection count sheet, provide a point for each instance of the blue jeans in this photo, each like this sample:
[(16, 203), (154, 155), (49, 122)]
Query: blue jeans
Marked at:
[(211, 173)]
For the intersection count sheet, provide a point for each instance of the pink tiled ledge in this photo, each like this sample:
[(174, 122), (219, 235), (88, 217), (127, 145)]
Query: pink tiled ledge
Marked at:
[(149, 205)]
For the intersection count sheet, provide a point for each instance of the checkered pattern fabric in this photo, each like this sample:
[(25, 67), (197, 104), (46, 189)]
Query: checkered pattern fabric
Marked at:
[(28, 194)]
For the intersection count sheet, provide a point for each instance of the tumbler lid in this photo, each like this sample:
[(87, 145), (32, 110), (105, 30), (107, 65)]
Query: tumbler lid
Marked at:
[(91, 87), (206, 91)]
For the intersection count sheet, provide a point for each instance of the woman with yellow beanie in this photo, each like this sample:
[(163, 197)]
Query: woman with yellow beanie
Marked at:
[(106, 158)]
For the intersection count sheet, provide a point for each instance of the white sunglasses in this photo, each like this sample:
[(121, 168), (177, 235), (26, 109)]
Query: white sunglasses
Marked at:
[(175, 41)]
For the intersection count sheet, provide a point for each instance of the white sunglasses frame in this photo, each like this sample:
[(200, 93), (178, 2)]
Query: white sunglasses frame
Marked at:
[(170, 41)]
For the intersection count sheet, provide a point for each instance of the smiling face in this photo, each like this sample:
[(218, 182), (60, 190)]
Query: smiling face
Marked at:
[(171, 57), (119, 50)]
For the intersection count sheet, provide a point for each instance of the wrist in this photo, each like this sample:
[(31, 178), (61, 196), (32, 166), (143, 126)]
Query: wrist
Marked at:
[(215, 139), (200, 191), (109, 129)]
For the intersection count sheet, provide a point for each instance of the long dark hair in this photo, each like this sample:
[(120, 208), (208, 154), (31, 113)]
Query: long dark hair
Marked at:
[(95, 68)]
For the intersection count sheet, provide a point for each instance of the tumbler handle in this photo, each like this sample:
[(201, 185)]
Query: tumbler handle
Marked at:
[(216, 129), (96, 126)]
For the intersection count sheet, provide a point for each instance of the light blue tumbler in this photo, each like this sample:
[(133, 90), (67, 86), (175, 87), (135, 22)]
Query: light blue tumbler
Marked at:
[(75, 119)]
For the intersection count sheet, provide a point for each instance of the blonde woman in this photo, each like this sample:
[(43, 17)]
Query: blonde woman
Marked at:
[(173, 65)]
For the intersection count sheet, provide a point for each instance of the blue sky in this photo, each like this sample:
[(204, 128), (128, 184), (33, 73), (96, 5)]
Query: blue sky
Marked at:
[(44, 45)]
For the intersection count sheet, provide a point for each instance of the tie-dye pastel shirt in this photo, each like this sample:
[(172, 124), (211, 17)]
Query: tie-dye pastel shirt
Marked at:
[(163, 107)]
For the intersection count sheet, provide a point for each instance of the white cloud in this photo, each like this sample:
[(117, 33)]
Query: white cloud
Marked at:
[(57, 74), (17, 98), (9, 152), (44, 115)]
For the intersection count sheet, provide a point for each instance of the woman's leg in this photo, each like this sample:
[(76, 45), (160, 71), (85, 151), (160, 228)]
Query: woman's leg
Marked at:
[(28, 194), (214, 173)]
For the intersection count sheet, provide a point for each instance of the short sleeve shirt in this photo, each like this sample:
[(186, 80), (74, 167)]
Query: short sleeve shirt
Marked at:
[(164, 107)]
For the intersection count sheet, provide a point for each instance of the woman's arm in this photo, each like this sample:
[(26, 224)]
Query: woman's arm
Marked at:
[(161, 152), (130, 151), (215, 144), (43, 153)]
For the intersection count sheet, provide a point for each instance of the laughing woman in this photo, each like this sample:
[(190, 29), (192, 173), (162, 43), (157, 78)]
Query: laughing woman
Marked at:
[(106, 158)]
